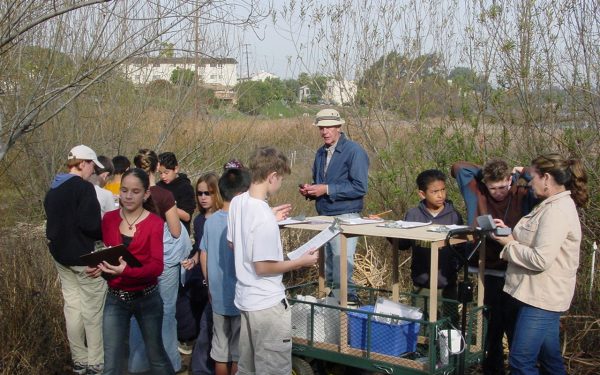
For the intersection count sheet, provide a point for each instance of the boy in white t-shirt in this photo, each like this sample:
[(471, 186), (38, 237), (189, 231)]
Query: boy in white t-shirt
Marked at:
[(265, 344)]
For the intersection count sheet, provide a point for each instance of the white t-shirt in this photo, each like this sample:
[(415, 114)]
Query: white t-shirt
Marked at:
[(253, 230), (106, 200)]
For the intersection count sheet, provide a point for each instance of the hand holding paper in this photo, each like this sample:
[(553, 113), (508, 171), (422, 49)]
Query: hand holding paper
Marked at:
[(316, 242), (309, 258)]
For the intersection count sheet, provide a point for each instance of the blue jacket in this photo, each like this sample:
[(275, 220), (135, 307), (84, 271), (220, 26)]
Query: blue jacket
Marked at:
[(421, 255), (347, 178)]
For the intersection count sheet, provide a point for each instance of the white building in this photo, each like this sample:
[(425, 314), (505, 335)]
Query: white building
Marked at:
[(211, 71), (340, 92), (303, 93), (263, 76)]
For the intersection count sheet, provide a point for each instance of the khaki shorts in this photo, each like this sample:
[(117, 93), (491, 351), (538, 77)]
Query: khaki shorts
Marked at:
[(266, 341), (226, 336)]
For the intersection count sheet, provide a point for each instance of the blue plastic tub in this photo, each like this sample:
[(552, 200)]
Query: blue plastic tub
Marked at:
[(389, 339)]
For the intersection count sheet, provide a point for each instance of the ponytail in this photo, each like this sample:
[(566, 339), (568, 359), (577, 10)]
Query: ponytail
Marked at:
[(569, 173), (578, 183)]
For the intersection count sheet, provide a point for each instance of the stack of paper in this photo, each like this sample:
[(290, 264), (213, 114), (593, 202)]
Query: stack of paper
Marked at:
[(404, 224), (359, 221), (291, 221)]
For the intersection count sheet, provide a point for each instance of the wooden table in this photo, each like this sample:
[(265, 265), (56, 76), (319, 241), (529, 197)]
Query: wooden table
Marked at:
[(435, 239)]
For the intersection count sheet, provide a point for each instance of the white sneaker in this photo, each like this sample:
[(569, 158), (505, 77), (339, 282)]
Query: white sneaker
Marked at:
[(184, 347), (79, 368)]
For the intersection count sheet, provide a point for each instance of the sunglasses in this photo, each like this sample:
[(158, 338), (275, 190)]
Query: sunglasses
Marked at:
[(201, 193)]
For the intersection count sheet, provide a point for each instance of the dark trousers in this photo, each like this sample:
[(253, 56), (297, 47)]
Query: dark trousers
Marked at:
[(501, 315), (191, 300), (201, 362)]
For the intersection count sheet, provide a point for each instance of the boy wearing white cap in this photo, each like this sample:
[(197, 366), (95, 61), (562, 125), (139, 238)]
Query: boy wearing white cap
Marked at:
[(73, 225)]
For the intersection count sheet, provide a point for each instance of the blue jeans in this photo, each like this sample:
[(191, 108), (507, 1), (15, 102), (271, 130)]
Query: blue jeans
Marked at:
[(148, 311), (536, 339), (168, 284), (332, 257)]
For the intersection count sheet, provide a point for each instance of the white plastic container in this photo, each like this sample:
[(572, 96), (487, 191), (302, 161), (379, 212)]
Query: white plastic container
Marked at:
[(326, 321), (450, 343)]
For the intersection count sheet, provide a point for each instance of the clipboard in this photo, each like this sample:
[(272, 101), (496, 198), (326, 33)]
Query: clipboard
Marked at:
[(111, 255), (317, 241)]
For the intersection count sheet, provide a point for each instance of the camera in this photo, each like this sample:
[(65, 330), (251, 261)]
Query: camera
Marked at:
[(486, 222)]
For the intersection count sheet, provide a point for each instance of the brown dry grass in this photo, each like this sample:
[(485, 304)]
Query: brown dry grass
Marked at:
[(33, 333)]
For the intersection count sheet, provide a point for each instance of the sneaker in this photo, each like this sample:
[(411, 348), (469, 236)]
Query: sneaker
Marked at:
[(185, 347), (353, 300), (94, 369), (79, 368)]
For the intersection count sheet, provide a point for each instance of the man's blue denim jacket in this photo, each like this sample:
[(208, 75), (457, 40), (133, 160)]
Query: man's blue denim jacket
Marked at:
[(347, 178)]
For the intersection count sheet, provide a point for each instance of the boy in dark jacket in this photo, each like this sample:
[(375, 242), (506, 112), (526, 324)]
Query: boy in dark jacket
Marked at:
[(72, 227), (178, 184), (435, 208)]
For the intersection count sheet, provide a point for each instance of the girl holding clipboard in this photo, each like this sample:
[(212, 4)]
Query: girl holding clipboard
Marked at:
[(133, 291)]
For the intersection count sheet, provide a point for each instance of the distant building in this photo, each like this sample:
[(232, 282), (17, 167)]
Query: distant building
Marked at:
[(303, 94), (262, 76), (211, 71), (340, 92)]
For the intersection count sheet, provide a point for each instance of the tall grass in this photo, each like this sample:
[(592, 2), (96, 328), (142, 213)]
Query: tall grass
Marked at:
[(32, 337)]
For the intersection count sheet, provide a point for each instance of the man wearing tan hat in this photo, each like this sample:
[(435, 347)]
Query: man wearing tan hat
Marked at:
[(72, 227), (340, 176)]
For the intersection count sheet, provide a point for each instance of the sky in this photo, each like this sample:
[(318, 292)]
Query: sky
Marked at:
[(272, 47), (269, 48)]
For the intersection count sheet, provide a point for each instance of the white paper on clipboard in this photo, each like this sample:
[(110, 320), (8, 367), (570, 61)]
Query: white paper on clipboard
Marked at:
[(317, 241)]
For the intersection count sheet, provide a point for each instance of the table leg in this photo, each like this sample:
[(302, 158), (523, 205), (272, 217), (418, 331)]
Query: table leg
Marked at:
[(395, 271), (433, 281), (321, 292)]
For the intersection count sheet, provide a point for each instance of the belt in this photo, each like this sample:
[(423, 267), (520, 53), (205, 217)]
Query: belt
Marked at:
[(126, 296)]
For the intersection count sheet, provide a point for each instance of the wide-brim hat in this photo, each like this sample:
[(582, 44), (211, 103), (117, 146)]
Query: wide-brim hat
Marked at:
[(83, 152), (328, 117)]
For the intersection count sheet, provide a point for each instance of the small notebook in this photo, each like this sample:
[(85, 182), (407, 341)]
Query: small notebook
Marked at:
[(110, 254)]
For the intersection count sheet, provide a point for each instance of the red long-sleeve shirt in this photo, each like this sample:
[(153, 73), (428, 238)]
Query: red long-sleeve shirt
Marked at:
[(146, 246)]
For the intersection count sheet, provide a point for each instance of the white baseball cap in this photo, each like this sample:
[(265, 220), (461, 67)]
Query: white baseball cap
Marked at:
[(83, 152)]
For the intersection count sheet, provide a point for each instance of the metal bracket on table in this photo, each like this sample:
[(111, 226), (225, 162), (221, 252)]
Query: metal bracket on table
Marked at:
[(336, 226)]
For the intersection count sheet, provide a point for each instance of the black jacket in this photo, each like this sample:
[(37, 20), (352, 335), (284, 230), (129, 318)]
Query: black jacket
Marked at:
[(73, 219), (184, 195), (421, 255)]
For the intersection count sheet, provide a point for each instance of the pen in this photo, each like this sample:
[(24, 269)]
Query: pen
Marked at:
[(383, 213)]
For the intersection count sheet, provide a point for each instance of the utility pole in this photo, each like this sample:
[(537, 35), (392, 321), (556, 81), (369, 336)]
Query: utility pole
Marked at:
[(196, 60), (247, 65)]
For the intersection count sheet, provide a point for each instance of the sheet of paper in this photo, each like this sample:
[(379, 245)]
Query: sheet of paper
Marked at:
[(359, 221), (317, 241), (404, 224), (445, 228), (291, 221)]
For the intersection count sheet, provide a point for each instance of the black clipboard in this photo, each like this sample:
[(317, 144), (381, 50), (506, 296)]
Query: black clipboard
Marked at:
[(111, 255)]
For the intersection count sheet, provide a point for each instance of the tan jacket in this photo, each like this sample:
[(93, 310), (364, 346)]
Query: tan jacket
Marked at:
[(543, 259)]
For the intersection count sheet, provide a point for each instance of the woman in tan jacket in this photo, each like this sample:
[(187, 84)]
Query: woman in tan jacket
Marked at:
[(543, 256)]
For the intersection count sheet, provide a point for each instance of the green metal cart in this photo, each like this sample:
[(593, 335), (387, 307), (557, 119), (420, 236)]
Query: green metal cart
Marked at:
[(380, 343)]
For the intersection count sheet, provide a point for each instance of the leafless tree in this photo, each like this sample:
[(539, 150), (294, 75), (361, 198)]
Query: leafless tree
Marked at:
[(53, 52)]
